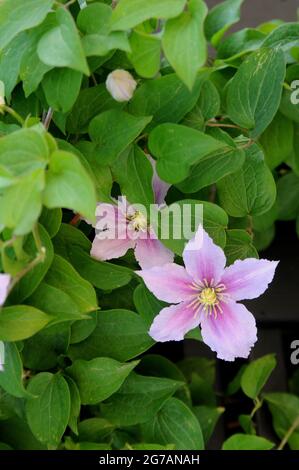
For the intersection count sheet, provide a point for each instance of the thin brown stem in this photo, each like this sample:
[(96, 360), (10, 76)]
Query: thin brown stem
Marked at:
[(48, 118), (75, 219)]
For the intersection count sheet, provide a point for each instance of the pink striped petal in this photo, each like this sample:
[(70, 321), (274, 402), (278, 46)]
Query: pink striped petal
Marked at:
[(203, 259), (150, 252), (160, 188), (232, 334), (173, 323), (5, 280), (104, 250), (249, 278), (169, 282)]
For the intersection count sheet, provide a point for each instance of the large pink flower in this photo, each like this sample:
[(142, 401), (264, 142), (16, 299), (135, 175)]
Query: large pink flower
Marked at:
[(122, 227), (5, 280), (206, 293)]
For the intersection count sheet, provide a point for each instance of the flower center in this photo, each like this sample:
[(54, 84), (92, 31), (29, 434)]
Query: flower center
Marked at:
[(138, 222), (208, 297)]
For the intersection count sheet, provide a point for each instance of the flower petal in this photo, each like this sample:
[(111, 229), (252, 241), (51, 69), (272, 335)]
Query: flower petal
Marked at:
[(112, 238), (249, 278), (173, 323), (169, 282), (160, 188), (104, 250), (4, 287), (203, 259), (151, 252), (232, 334)]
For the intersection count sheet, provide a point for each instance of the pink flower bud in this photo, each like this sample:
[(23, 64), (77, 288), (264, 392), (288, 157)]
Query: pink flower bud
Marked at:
[(121, 85)]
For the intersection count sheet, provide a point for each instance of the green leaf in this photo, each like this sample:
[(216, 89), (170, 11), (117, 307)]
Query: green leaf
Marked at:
[(147, 305), (81, 329), (51, 220), (247, 442), (17, 433), (129, 13), (23, 151), (44, 350), (95, 429), (31, 60), (175, 424), (145, 54), (119, 334), (288, 196), (48, 413), (284, 409), (239, 246), (67, 236), (138, 400), (256, 375), (17, 16), (99, 45), (239, 43), (10, 63), (102, 275), (21, 322), (113, 131), (288, 108), (95, 19), (11, 378), (75, 405), (90, 102), (207, 417), (61, 46), (215, 166), (166, 98), (200, 376), (215, 221), (184, 42), (177, 148), (27, 285), (133, 172), (63, 276), (221, 18), (277, 140), (21, 204), (254, 93), (251, 190), (99, 378), (283, 35), (209, 101), (247, 424), (61, 88), (68, 185)]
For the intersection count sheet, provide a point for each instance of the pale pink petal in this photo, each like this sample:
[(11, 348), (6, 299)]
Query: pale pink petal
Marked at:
[(249, 278), (173, 323), (204, 260), (232, 334), (104, 250), (160, 188), (5, 280), (169, 282), (150, 252)]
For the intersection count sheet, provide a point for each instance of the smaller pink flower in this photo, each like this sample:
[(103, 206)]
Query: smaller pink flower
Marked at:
[(206, 293), (123, 227), (5, 280)]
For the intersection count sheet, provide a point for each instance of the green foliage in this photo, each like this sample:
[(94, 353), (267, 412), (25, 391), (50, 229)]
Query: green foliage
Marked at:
[(78, 369)]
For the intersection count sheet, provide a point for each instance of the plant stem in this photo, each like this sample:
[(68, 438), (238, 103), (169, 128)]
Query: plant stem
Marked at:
[(48, 118), (218, 124), (257, 405), (288, 434), (14, 114)]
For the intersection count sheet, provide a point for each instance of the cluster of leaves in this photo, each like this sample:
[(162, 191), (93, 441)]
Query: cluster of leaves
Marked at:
[(224, 135)]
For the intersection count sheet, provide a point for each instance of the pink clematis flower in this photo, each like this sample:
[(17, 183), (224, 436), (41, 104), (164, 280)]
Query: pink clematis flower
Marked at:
[(5, 280), (123, 227), (206, 293)]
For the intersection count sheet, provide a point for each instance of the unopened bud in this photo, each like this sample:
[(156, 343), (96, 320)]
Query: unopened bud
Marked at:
[(121, 85)]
